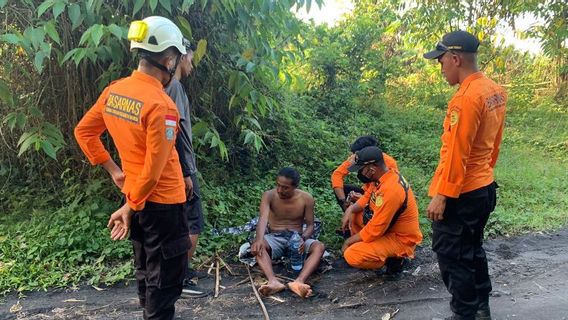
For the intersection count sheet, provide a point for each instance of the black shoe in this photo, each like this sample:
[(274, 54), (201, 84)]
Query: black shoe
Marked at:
[(195, 274), (483, 312), (191, 290), (395, 265)]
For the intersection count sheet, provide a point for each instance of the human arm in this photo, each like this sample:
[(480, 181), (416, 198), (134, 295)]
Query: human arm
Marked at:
[(350, 241), (89, 130), (114, 171), (119, 222), (258, 246), (437, 207), (337, 178)]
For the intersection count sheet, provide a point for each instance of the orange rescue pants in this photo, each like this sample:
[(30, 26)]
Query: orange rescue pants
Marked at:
[(372, 255)]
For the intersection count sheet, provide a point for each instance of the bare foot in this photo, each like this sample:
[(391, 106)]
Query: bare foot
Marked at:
[(271, 288), (301, 289)]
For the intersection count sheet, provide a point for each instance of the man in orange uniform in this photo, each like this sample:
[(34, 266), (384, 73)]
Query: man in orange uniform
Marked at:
[(393, 230), (463, 188), (348, 193), (142, 121)]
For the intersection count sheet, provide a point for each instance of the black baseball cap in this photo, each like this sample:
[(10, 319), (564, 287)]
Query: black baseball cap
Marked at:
[(365, 156), (455, 41)]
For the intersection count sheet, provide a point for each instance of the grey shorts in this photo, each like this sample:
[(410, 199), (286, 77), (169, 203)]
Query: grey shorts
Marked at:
[(278, 242), (193, 209)]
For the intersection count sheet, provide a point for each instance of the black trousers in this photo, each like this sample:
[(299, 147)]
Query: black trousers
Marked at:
[(160, 238), (458, 243), (347, 189)]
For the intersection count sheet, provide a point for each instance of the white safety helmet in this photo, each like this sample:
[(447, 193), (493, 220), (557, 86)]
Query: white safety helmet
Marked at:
[(155, 34)]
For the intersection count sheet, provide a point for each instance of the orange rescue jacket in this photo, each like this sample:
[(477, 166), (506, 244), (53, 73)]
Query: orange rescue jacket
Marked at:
[(142, 121), (385, 198), (473, 129)]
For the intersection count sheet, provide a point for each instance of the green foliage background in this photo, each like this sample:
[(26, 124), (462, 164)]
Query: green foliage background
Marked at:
[(268, 91)]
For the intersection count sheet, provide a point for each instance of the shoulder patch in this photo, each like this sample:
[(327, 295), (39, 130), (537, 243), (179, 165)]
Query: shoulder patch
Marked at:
[(454, 117), (170, 133), (379, 201)]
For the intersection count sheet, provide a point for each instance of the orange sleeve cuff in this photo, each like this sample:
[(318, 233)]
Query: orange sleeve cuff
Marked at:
[(448, 189), (362, 202), (365, 236), (100, 158), (134, 205), (339, 174)]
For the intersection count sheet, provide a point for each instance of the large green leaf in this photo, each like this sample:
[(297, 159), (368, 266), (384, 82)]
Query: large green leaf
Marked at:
[(25, 145), (74, 12), (166, 4), (35, 36), (115, 30), (185, 27), (153, 4), (3, 3), (137, 6), (58, 8), (200, 51), (52, 32), (10, 38), (48, 148), (38, 60), (97, 33), (44, 6)]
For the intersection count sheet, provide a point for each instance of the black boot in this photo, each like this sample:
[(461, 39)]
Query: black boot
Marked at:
[(483, 312)]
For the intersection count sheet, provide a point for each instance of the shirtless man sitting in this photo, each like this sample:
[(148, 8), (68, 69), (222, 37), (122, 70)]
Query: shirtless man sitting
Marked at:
[(284, 210)]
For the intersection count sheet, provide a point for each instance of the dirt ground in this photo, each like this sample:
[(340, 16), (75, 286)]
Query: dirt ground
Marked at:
[(529, 273)]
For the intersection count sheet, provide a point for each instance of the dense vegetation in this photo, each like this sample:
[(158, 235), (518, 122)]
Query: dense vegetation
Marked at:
[(268, 91)]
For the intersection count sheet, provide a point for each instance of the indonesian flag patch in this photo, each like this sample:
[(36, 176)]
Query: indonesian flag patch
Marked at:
[(171, 121)]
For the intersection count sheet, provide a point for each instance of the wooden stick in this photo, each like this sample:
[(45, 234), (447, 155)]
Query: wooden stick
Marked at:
[(285, 278), (210, 267), (226, 265), (217, 278), (206, 261), (262, 307), (240, 282)]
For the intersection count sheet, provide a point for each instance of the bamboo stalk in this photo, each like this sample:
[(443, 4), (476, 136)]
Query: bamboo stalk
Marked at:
[(262, 307)]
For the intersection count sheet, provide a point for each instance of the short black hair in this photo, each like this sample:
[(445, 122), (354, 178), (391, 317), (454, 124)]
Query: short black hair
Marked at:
[(290, 173), (362, 142), (157, 55)]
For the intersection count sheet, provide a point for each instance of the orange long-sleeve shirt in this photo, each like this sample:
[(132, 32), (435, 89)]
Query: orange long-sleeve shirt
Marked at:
[(385, 198), (342, 171), (142, 121), (473, 130)]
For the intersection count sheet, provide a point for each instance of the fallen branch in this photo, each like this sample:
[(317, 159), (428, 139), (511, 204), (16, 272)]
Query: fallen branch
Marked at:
[(350, 305), (262, 307), (206, 261), (226, 265), (217, 279), (239, 283)]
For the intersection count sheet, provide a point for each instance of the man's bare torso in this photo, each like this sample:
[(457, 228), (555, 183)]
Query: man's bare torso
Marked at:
[(287, 214)]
